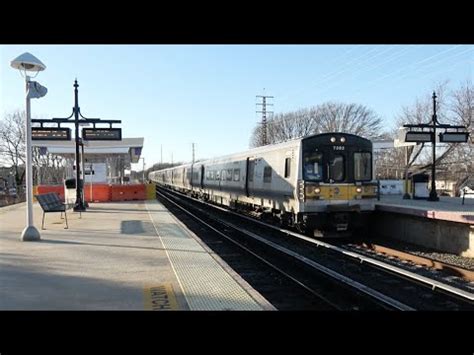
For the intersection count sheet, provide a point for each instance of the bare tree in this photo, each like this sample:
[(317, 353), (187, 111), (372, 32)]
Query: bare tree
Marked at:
[(328, 117), (12, 143)]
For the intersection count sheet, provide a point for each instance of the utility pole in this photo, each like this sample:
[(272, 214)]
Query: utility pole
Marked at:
[(161, 151), (264, 115), (193, 152), (433, 194)]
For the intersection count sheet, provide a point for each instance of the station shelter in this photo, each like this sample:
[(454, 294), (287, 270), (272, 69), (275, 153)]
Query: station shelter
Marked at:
[(103, 171)]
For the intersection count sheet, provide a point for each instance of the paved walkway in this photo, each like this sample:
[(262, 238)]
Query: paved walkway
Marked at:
[(119, 256)]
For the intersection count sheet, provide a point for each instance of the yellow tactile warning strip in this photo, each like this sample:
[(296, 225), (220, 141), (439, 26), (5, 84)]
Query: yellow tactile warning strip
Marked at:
[(160, 298), (205, 284)]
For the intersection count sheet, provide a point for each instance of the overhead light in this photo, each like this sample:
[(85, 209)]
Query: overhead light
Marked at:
[(28, 62)]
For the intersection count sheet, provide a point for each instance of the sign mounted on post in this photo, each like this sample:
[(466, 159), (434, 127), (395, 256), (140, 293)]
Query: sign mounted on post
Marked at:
[(102, 134), (50, 134), (419, 137), (453, 137)]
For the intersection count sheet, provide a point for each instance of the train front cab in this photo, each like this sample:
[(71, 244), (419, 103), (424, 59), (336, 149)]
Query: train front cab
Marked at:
[(336, 189)]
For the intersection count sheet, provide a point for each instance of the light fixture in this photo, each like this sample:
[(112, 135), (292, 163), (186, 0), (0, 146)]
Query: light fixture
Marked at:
[(343, 139), (317, 190), (358, 190), (27, 62), (333, 139)]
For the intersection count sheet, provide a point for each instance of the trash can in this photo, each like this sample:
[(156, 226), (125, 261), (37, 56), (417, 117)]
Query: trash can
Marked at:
[(70, 190), (420, 186)]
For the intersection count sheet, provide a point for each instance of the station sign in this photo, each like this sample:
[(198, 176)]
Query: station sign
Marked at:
[(453, 137), (102, 134), (50, 134), (419, 137)]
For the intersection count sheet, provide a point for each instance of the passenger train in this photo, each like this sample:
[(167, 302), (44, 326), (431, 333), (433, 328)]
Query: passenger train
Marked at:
[(320, 184)]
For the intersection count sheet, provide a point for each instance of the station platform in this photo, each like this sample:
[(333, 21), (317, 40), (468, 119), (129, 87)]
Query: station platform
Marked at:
[(447, 208), (445, 225), (119, 256)]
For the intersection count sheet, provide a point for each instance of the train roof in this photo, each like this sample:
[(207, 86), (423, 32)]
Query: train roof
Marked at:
[(269, 147)]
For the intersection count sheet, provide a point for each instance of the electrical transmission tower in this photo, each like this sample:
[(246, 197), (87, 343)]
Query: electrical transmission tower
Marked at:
[(264, 115)]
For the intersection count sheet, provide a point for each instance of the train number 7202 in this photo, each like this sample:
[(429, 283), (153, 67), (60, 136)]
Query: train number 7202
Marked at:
[(338, 147)]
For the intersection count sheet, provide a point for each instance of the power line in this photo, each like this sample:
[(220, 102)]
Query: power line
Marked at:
[(338, 71)]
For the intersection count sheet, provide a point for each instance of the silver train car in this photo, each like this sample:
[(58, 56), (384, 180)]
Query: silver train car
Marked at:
[(320, 184)]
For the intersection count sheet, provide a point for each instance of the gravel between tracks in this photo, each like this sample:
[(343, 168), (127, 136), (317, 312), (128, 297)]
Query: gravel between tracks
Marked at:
[(456, 260)]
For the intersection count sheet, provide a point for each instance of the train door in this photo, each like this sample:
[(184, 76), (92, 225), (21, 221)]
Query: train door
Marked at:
[(202, 176), (250, 176)]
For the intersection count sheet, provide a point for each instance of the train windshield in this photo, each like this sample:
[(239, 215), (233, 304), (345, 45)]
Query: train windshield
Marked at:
[(362, 166), (313, 166), (336, 168)]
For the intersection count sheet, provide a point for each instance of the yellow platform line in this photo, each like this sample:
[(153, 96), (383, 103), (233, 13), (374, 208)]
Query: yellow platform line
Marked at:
[(160, 298)]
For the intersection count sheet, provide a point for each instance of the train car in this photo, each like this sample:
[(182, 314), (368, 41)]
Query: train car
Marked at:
[(319, 184)]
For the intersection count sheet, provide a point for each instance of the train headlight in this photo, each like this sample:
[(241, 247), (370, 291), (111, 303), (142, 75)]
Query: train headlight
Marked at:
[(358, 190), (333, 139), (317, 190), (343, 139)]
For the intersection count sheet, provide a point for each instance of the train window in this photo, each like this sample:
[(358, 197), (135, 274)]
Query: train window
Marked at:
[(267, 174), (287, 167), (313, 166), (362, 166), (336, 168), (251, 169), (236, 174), (229, 175)]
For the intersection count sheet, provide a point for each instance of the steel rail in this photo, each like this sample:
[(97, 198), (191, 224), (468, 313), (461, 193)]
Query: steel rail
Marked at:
[(331, 273), (362, 258)]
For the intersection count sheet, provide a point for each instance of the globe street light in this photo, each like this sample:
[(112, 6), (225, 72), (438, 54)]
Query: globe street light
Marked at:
[(29, 63)]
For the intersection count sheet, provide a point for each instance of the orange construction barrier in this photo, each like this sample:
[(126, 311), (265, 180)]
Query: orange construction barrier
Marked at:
[(44, 189), (100, 193), (128, 192), (105, 192)]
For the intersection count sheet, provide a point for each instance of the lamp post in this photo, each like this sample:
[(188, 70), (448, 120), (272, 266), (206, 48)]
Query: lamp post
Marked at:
[(97, 134), (433, 194), (452, 134), (29, 63)]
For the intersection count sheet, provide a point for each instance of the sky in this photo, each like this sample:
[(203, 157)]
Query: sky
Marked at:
[(176, 95)]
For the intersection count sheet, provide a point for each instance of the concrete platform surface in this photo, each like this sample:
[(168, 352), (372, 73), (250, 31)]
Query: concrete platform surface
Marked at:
[(447, 208), (118, 256)]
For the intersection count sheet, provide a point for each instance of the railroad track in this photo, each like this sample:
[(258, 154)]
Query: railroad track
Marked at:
[(370, 283), (430, 263)]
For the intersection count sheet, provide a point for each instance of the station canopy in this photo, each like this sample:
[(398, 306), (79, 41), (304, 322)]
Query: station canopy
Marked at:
[(129, 149)]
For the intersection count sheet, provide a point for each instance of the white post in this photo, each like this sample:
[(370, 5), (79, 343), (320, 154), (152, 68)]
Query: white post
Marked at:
[(30, 233)]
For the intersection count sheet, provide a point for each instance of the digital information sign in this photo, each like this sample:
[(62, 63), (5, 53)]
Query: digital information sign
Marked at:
[(50, 134), (453, 137), (102, 134), (419, 137)]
